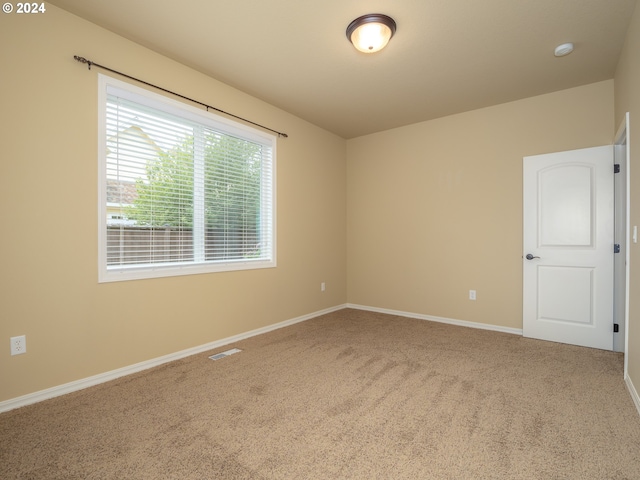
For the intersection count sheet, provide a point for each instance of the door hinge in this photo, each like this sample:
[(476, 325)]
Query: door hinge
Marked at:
[(616, 168), (616, 328), (616, 248)]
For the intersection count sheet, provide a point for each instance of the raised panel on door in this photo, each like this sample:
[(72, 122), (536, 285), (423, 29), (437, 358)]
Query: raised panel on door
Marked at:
[(566, 213)]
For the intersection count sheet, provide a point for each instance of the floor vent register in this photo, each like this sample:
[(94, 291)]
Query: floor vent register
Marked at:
[(221, 355)]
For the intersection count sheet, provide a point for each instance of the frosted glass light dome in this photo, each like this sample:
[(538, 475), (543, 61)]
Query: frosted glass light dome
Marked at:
[(371, 33)]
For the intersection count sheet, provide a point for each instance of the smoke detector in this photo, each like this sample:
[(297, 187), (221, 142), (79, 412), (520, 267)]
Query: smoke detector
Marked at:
[(564, 49)]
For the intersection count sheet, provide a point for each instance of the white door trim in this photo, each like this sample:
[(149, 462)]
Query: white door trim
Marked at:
[(622, 156)]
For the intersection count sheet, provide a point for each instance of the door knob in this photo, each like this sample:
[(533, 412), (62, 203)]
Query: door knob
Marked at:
[(530, 257)]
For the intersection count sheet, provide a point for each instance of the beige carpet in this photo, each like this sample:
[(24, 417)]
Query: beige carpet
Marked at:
[(349, 395)]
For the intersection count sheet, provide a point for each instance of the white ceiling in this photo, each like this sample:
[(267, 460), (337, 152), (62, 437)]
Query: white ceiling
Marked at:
[(448, 56)]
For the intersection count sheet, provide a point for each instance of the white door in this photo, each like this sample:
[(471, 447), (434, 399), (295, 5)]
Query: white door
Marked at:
[(568, 247)]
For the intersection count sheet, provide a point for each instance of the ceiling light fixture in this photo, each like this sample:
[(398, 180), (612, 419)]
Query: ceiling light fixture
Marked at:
[(370, 33), (564, 49)]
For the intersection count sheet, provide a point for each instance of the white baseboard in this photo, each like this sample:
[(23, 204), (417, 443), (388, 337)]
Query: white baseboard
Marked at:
[(121, 372), (633, 392), (450, 321)]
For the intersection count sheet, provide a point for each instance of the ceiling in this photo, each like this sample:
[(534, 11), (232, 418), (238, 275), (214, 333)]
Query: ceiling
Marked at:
[(448, 56)]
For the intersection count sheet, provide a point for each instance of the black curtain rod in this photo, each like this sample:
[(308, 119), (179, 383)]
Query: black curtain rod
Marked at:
[(90, 64)]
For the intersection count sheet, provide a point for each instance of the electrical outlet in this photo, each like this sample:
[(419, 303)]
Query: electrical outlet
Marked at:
[(472, 294), (322, 287), (18, 345)]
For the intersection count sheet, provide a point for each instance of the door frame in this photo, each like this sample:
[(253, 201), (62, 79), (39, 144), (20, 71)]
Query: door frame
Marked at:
[(622, 228)]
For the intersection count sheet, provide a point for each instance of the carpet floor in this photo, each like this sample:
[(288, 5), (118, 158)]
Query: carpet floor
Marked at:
[(348, 395)]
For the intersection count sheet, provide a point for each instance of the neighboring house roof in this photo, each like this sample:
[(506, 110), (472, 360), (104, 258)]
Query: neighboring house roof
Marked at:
[(128, 154), (133, 134), (121, 192)]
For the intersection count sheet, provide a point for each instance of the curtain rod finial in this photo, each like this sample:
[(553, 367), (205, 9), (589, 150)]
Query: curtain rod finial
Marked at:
[(83, 60)]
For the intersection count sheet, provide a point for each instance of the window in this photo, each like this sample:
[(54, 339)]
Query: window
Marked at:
[(181, 190)]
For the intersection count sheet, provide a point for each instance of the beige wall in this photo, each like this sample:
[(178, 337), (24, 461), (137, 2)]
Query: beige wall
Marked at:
[(76, 328), (435, 209), (627, 99)]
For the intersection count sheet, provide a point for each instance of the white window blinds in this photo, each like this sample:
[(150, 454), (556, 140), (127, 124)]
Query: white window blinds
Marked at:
[(183, 192)]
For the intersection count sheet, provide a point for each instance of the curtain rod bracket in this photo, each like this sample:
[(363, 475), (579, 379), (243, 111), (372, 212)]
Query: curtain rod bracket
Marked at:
[(207, 107)]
